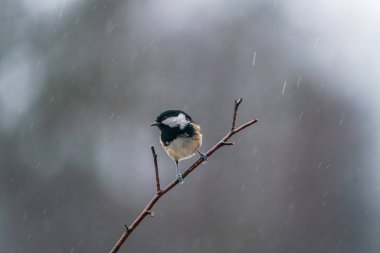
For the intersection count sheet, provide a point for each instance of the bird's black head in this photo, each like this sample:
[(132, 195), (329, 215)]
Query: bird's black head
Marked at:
[(174, 124), (172, 119)]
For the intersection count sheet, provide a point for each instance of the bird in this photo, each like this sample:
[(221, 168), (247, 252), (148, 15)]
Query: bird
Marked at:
[(180, 137)]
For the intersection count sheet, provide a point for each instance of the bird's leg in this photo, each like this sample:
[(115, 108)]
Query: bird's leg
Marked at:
[(203, 156), (178, 175)]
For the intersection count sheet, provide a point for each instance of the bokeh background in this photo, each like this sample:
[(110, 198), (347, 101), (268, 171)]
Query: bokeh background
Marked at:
[(80, 82)]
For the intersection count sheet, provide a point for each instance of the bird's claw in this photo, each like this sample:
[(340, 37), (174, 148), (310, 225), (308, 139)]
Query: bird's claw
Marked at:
[(203, 157), (179, 178)]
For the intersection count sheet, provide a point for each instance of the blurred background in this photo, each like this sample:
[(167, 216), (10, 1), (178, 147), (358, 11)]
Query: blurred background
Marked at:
[(80, 82)]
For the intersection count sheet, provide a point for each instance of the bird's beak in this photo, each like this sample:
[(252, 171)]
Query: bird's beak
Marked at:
[(154, 124)]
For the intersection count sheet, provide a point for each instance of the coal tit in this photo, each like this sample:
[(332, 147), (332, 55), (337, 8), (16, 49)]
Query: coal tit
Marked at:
[(180, 136)]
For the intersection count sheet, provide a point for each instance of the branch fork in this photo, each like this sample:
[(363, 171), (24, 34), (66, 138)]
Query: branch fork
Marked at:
[(161, 192)]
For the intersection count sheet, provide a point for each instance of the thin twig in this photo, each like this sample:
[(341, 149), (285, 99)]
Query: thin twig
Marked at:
[(158, 187), (148, 209), (227, 143), (237, 103)]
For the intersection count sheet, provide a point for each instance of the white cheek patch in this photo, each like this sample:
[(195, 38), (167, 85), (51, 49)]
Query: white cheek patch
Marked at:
[(179, 120)]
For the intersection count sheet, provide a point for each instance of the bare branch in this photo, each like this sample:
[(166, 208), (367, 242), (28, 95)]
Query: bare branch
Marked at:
[(245, 125), (237, 103), (158, 187), (161, 192)]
